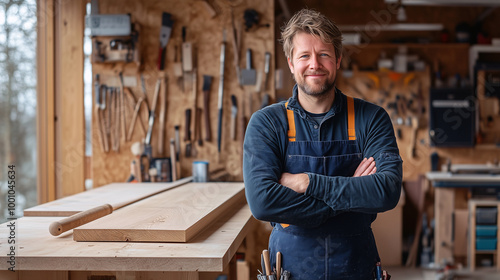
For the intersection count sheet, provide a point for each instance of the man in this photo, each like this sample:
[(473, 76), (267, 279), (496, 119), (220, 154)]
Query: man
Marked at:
[(303, 163)]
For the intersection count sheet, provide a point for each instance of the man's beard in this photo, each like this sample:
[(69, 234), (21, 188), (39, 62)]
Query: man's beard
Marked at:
[(323, 89)]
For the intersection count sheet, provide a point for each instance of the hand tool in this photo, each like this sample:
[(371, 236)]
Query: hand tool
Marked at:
[(195, 105), (414, 127), (163, 109), (178, 69), (187, 135), (207, 82), (198, 126), (278, 265), (263, 263), (165, 31), (236, 46), (137, 150), (137, 109), (221, 89), (177, 142), (173, 159), (248, 75), (266, 69), (267, 263), (144, 92), (187, 53), (234, 113), (116, 123), (122, 108), (71, 222), (100, 131), (147, 141)]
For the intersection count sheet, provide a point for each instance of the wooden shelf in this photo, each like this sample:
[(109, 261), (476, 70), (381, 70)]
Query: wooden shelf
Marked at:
[(472, 251), (411, 45)]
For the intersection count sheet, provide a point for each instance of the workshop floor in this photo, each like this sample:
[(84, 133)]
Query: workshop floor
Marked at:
[(399, 273)]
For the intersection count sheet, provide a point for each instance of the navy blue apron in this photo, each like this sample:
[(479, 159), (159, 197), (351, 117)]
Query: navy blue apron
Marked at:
[(344, 246)]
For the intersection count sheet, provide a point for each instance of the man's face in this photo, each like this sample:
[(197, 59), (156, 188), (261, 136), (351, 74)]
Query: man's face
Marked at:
[(313, 64)]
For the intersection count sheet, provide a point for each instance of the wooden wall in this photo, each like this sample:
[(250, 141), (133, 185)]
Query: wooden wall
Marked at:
[(206, 33), (452, 58)]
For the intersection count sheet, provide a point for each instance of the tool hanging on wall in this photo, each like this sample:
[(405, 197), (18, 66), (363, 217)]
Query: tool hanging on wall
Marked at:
[(221, 88), (207, 83), (147, 142), (177, 142), (267, 63), (144, 92), (198, 126), (173, 160), (178, 73), (122, 109), (100, 100), (163, 109), (187, 53), (187, 135), (165, 31), (234, 114), (195, 105), (236, 46), (248, 75)]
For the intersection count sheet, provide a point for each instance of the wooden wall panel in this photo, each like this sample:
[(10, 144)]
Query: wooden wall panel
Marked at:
[(206, 33)]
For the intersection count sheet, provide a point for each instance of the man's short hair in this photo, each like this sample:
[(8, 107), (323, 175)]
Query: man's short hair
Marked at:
[(314, 23)]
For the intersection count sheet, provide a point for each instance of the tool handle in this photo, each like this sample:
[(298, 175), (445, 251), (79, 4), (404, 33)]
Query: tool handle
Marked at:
[(173, 160), (71, 222), (267, 62), (177, 142), (206, 101), (278, 265), (267, 262), (243, 125), (219, 130), (233, 127), (187, 136), (198, 126), (249, 59)]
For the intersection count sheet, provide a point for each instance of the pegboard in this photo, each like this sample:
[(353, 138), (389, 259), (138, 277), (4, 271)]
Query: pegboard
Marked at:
[(205, 22)]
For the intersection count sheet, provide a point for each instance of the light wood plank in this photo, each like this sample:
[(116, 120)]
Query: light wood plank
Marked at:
[(116, 194), (173, 216), (444, 205), (210, 250), (70, 119), (45, 102)]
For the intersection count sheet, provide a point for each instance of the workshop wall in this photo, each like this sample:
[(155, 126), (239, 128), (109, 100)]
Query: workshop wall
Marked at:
[(449, 58), (206, 34)]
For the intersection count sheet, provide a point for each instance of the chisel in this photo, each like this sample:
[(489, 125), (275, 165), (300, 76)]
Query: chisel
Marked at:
[(266, 69), (221, 88), (177, 142), (187, 137), (207, 82), (234, 113), (267, 263), (278, 265)]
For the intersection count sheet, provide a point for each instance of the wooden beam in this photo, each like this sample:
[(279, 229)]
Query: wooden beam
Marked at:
[(70, 119), (45, 102)]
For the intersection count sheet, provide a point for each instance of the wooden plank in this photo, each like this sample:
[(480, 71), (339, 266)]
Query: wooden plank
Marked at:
[(173, 216), (43, 275), (69, 109), (210, 250), (116, 194), (45, 102)]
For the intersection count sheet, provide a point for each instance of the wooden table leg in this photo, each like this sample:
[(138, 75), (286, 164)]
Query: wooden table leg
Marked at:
[(444, 204)]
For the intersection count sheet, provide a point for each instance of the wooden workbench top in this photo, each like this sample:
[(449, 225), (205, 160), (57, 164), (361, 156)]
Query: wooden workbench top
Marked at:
[(211, 250), (451, 177)]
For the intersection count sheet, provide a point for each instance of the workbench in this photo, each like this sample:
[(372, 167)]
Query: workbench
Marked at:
[(444, 184), (39, 255)]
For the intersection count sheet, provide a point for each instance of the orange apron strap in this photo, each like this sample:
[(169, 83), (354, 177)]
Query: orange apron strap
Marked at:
[(351, 130), (291, 134), (291, 124)]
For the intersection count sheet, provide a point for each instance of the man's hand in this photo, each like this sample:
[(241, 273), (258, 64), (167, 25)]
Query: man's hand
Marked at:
[(366, 167), (300, 182)]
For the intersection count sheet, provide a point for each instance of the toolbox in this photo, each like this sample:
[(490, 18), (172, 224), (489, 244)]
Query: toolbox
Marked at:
[(486, 215), (486, 231), (486, 243)]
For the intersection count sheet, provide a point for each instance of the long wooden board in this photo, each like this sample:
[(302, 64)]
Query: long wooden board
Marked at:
[(210, 250), (173, 216), (116, 194)]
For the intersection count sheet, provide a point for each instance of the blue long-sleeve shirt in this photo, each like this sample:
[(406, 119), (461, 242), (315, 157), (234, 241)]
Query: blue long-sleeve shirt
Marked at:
[(264, 159)]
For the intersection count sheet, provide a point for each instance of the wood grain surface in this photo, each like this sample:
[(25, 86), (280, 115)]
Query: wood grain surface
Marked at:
[(211, 250), (116, 194), (173, 216)]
